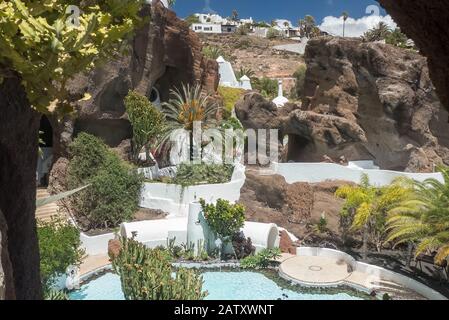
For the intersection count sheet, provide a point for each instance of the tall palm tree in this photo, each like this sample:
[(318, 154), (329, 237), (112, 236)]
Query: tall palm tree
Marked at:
[(235, 15), (187, 106), (345, 16), (309, 22), (377, 33), (423, 218)]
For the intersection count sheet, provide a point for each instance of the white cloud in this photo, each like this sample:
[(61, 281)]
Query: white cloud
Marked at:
[(354, 27)]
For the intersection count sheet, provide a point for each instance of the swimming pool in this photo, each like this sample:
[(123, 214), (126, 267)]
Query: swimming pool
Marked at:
[(225, 285)]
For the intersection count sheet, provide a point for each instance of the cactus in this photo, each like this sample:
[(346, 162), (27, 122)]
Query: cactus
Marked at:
[(146, 274)]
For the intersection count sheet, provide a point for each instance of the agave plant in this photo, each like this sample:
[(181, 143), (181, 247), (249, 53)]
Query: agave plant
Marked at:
[(423, 218), (187, 106)]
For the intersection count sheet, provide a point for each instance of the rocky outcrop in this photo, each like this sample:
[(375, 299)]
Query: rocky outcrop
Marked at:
[(362, 101), (164, 54), (426, 23), (295, 207)]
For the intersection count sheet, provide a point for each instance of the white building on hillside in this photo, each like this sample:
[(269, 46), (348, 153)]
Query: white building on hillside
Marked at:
[(206, 28), (214, 23), (285, 27), (228, 78)]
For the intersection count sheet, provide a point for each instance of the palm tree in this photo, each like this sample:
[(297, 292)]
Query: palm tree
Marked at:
[(245, 72), (367, 207), (379, 32), (235, 15), (345, 16), (309, 23), (423, 218), (187, 106)]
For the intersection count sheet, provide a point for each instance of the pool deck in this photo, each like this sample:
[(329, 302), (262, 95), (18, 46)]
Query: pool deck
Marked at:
[(322, 271), (92, 263)]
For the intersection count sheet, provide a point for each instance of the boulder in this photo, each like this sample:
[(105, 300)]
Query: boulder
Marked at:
[(426, 23), (363, 101)]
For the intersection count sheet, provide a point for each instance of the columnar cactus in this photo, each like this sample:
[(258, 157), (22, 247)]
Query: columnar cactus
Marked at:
[(146, 274)]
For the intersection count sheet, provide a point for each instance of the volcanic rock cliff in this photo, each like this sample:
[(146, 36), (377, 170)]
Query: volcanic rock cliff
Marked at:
[(362, 101), (164, 54)]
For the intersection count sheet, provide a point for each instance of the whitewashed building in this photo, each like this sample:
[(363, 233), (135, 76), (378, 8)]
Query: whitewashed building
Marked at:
[(206, 28)]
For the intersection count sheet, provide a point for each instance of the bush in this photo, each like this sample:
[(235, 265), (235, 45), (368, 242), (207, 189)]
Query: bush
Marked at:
[(224, 219), (147, 122), (214, 53), (300, 76), (59, 246), (194, 174), (115, 186), (146, 274), (273, 34), (230, 97), (231, 123), (266, 86), (260, 260)]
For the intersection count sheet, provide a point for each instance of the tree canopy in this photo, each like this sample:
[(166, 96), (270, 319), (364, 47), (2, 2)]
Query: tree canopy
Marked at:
[(48, 42)]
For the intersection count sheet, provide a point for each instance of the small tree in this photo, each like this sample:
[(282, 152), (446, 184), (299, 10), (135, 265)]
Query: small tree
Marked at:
[(148, 123), (59, 246), (224, 219), (114, 191), (367, 207)]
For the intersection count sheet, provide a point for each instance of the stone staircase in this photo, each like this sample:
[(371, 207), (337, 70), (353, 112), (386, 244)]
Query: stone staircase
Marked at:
[(46, 212)]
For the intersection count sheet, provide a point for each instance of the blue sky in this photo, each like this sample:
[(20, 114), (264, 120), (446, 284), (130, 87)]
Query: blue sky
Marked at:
[(270, 9)]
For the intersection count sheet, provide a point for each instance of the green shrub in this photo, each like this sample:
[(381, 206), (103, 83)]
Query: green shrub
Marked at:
[(266, 86), (300, 76), (230, 97), (224, 219), (214, 53), (194, 174), (147, 274), (148, 123), (273, 34), (231, 123), (115, 186), (260, 260), (59, 246)]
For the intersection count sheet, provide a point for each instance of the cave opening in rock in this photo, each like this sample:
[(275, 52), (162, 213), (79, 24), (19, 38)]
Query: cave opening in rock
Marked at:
[(297, 146), (45, 158), (155, 97)]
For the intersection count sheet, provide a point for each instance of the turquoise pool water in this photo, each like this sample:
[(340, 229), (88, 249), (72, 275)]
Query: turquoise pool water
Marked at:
[(220, 285)]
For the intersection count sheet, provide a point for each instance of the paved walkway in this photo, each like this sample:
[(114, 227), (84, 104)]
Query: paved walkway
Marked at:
[(47, 212), (325, 271), (92, 263)]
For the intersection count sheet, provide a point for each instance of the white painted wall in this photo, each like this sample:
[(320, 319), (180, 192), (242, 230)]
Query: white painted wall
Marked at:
[(174, 199), (319, 172), (96, 245), (206, 28)]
